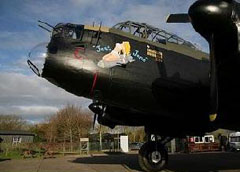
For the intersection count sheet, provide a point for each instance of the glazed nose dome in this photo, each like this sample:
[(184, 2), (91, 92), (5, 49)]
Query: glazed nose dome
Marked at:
[(36, 58)]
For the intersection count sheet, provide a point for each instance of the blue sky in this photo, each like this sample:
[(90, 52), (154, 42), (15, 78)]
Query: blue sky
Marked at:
[(21, 92)]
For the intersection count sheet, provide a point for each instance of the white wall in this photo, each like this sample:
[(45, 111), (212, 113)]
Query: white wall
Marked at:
[(124, 143)]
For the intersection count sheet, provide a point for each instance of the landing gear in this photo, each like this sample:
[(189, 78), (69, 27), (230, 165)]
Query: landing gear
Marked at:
[(153, 156)]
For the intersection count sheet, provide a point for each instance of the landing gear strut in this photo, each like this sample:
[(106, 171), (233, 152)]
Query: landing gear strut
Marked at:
[(153, 155)]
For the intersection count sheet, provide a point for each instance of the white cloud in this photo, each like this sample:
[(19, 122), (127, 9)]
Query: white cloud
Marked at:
[(33, 97), (18, 65), (22, 40), (30, 110), (36, 110)]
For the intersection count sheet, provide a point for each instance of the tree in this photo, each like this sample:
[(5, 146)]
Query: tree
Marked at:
[(51, 129), (69, 124), (39, 130), (100, 129), (12, 122), (135, 134), (66, 122)]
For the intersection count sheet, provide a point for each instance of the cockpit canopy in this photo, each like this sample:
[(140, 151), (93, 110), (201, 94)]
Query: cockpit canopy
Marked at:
[(72, 31), (151, 33)]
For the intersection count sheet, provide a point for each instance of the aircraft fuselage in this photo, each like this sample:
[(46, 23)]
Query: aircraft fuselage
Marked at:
[(165, 80)]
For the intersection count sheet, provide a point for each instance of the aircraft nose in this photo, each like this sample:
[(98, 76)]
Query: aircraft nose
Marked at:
[(36, 58)]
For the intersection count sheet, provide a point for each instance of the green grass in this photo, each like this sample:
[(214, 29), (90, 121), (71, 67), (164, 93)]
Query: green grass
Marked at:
[(11, 155), (17, 154)]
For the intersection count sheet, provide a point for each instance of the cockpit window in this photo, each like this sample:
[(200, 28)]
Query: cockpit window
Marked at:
[(57, 32), (70, 31), (173, 40), (159, 38), (151, 33), (141, 32), (125, 28)]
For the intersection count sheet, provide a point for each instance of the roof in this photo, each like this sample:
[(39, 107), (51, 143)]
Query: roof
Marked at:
[(16, 132)]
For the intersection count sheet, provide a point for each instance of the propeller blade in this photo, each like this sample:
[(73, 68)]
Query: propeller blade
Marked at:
[(207, 17), (213, 82), (178, 18)]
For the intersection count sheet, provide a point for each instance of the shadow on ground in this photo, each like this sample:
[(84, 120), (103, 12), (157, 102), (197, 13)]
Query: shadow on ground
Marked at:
[(115, 153), (4, 159), (204, 162), (129, 160)]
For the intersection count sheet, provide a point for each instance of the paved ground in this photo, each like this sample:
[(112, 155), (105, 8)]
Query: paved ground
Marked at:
[(204, 162)]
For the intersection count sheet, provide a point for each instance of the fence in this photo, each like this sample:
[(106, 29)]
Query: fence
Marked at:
[(7, 149)]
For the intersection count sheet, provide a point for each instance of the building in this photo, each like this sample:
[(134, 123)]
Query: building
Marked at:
[(16, 137)]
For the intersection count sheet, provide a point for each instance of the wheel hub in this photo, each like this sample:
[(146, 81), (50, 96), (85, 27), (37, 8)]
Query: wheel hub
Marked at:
[(156, 157)]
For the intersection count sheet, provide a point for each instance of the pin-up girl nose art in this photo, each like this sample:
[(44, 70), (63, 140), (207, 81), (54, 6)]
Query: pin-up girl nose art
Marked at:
[(120, 55)]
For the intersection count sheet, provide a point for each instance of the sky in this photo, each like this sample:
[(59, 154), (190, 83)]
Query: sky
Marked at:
[(23, 93)]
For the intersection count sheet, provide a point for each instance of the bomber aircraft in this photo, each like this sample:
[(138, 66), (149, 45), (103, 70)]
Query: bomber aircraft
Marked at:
[(140, 75)]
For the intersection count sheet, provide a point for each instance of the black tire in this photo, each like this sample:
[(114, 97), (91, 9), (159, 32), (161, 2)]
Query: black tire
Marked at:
[(145, 158)]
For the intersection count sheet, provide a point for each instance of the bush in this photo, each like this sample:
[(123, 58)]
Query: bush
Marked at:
[(16, 151)]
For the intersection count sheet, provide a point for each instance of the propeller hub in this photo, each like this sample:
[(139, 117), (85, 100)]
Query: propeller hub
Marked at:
[(210, 16)]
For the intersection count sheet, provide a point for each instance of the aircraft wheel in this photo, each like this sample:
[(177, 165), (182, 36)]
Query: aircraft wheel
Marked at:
[(152, 157)]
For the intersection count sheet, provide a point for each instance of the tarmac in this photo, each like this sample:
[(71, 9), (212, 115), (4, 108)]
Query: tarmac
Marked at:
[(201, 162)]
